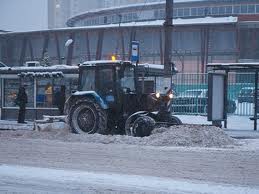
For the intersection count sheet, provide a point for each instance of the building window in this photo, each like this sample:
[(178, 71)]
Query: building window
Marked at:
[(114, 19), (194, 11), (135, 16), (201, 11), (257, 8), (243, 8), (162, 13), (251, 8), (175, 13), (186, 12), (228, 9), (130, 17), (156, 14), (11, 88), (44, 93), (108, 19), (105, 20), (207, 11), (215, 11), (47, 89), (236, 9), (222, 10), (180, 12)]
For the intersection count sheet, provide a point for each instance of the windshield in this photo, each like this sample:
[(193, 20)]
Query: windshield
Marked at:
[(127, 81)]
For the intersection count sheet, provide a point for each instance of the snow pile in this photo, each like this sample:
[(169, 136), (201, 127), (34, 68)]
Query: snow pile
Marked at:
[(184, 135), (190, 135)]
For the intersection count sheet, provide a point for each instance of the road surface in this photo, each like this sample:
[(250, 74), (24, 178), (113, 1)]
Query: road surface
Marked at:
[(36, 165)]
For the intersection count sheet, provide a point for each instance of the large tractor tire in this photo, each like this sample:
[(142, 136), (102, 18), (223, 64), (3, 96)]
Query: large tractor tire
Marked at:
[(86, 116), (143, 126)]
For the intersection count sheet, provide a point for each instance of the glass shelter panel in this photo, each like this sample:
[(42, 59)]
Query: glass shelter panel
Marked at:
[(11, 88)]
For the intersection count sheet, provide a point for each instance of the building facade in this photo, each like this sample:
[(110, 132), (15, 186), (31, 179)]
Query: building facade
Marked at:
[(62, 10), (204, 31)]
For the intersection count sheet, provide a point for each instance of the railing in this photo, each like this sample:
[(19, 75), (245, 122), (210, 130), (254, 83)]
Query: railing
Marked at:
[(190, 94)]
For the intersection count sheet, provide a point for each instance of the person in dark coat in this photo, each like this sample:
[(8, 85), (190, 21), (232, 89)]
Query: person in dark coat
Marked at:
[(21, 101), (61, 99)]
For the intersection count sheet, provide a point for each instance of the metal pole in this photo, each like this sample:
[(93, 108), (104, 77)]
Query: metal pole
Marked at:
[(168, 26), (255, 101), (226, 100)]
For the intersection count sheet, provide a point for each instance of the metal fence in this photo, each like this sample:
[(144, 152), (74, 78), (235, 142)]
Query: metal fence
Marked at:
[(191, 90)]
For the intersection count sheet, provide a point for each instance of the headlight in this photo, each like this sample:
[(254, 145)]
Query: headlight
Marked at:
[(158, 95), (171, 95)]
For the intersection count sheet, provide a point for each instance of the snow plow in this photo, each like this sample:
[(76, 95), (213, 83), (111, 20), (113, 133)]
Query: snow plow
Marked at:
[(117, 97)]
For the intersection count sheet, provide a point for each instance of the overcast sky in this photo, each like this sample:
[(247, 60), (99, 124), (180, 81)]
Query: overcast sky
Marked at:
[(23, 15)]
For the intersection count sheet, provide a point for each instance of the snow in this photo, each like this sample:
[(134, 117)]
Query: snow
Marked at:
[(176, 22), (42, 68), (154, 66), (184, 135), (137, 183), (153, 23), (103, 62), (234, 122), (234, 64), (13, 125), (42, 74)]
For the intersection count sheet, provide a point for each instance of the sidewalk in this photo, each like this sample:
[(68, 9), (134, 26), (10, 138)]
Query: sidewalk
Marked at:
[(13, 125), (240, 127)]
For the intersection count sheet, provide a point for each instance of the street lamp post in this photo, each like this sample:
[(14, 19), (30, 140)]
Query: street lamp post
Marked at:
[(168, 25)]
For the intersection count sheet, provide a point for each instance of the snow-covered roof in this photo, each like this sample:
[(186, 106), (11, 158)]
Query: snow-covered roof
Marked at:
[(234, 64), (153, 66), (152, 23), (93, 63), (54, 68), (252, 66)]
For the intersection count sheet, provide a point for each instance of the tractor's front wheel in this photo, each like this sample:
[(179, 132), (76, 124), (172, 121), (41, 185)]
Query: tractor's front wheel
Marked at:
[(143, 126), (86, 116)]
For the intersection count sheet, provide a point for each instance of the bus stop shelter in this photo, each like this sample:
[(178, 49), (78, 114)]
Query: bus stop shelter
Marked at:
[(244, 68)]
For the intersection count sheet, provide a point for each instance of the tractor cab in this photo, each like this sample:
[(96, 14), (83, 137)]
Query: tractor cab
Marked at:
[(109, 79)]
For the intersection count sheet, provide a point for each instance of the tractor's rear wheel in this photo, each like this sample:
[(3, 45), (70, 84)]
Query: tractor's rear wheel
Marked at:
[(143, 126), (86, 116)]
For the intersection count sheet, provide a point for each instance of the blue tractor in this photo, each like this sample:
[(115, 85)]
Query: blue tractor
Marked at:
[(116, 97)]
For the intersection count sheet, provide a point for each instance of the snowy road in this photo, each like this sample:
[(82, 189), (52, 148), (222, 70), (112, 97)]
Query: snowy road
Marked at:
[(65, 167), (31, 179)]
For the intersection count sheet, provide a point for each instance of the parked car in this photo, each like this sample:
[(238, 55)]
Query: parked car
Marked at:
[(246, 94), (195, 101)]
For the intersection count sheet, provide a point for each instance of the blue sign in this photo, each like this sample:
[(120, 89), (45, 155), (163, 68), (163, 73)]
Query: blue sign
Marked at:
[(135, 51)]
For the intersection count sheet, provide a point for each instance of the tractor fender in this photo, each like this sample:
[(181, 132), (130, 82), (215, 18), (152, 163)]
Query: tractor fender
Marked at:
[(132, 118), (80, 94)]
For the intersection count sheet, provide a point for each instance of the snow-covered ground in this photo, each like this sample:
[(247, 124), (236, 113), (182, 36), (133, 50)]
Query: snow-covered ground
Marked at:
[(37, 179), (234, 122)]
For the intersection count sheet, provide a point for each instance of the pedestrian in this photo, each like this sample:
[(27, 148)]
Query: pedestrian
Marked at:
[(61, 99), (21, 101)]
